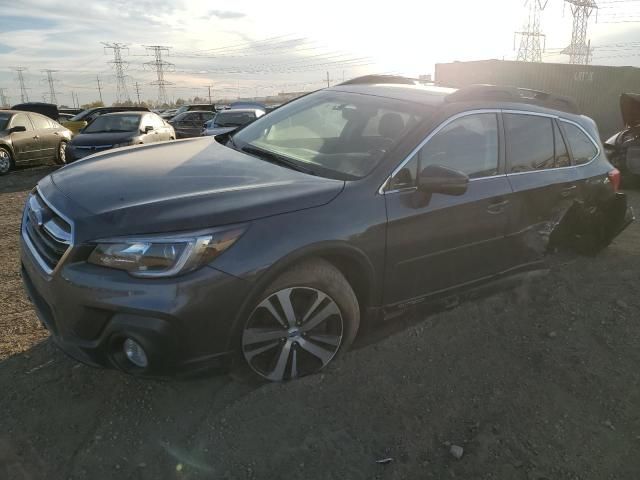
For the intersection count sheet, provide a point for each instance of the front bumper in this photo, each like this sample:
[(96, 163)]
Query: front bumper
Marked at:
[(184, 323)]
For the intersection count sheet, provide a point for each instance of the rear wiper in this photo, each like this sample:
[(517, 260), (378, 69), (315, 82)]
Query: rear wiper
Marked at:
[(275, 158)]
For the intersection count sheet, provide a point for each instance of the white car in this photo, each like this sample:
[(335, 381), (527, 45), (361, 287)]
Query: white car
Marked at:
[(226, 121)]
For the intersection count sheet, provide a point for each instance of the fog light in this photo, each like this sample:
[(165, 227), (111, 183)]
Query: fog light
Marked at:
[(135, 353)]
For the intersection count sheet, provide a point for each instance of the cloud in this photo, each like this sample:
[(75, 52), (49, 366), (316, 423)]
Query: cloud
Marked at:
[(225, 14), (23, 22)]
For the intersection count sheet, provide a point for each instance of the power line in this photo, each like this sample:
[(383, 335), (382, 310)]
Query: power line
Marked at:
[(531, 48), (52, 88), (160, 66), (122, 94), (24, 96)]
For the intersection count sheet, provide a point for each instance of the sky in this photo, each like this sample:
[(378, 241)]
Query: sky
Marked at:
[(251, 47)]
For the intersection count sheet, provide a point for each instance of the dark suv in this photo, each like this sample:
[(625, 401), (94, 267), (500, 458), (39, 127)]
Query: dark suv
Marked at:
[(339, 208)]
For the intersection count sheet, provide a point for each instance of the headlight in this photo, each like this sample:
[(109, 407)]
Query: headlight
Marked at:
[(164, 256)]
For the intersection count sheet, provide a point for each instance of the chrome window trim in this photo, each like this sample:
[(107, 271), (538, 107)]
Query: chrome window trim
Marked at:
[(32, 249), (434, 132)]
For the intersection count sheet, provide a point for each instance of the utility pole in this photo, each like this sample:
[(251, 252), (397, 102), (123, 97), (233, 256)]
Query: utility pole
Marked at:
[(160, 66), (122, 94), (531, 47), (52, 89), (99, 88), (24, 97), (328, 80), (209, 87), (4, 100), (579, 50), (138, 92)]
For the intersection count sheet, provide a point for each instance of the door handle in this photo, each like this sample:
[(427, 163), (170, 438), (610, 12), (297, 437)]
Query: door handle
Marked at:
[(567, 191), (497, 207)]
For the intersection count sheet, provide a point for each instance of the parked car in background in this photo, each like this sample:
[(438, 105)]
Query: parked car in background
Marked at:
[(121, 129), (227, 121), (169, 114), (246, 104), (341, 207), (201, 107), (72, 111), (65, 117), (623, 148), (189, 124), (28, 136), (85, 117), (47, 109)]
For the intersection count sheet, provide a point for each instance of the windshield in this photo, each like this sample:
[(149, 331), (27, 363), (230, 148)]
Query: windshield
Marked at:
[(115, 123), (4, 120), (81, 116), (340, 132), (233, 119)]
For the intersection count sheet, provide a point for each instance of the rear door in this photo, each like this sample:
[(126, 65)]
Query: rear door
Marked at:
[(48, 138), (26, 145), (436, 242), (543, 180)]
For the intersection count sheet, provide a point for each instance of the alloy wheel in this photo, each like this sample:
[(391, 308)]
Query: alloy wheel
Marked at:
[(292, 333), (62, 153), (5, 161)]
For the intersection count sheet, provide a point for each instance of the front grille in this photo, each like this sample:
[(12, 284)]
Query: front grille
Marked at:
[(46, 233)]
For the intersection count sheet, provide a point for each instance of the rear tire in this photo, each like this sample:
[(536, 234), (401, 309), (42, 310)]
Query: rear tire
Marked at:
[(6, 161), (301, 323), (61, 158)]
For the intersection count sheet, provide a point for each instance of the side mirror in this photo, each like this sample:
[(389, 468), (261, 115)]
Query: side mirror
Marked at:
[(148, 129), (439, 179), (19, 128)]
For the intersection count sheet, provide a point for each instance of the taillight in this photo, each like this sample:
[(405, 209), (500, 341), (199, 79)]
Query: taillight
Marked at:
[(614, 178)]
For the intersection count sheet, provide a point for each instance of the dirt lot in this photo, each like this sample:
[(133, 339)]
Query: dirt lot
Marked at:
[(541, 382)]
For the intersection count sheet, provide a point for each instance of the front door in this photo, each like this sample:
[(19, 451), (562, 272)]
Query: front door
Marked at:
[(436, 242), (48, 138), (26, 145)]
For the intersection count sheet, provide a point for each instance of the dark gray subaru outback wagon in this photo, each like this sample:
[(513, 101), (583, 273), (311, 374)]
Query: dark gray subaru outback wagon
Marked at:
[(276, 244)]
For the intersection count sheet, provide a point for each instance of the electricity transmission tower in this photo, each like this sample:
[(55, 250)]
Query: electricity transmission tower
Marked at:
[(579, 50), (532, 40), (24, 97), (4, 100), (122, 94), (138, 92), (99, 88), (52, 89), (160, 66)]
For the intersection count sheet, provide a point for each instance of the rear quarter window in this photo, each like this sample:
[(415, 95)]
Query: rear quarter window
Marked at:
[(582, 147)]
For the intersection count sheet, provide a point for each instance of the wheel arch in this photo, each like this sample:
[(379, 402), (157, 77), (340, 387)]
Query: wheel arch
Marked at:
[(352, 262), (8, 147)]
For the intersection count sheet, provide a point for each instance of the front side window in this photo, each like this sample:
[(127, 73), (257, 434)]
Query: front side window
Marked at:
[(581, 145), (530, 142), (468, 144), (114, 123), (325, 131), (21, 120), (4, 121)]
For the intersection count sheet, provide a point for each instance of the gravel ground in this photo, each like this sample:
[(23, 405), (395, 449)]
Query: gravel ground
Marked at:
[(537, 382)]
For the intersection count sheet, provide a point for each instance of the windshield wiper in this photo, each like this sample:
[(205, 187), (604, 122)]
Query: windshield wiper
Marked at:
[(275, 158)]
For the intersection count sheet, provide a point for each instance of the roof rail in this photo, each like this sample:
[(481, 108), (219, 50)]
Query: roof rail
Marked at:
[(514, 94), (373, 79)]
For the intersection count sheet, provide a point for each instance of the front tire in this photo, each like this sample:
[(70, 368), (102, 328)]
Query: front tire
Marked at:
[(6, 161), (301, 323), (61, 158)]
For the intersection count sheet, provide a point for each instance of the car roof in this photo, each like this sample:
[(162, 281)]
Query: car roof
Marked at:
[(128, 112), (14, 112), (428, 95), (242, 110)]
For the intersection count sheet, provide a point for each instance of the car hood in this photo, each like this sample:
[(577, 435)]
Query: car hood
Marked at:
[(91, 139), (181, 185), (630, 109)]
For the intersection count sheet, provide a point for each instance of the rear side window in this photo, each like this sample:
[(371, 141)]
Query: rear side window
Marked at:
[(562, 154), (530, 142), (581, 145), (39, 122)]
